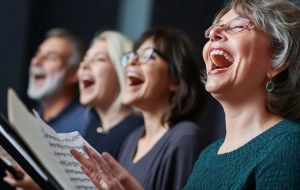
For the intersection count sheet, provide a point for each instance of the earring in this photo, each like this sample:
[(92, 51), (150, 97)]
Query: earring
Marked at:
[(270, 85)]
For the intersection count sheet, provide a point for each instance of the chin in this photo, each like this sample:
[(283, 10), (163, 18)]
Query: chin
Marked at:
[(130, 101), (216, 90), (211, 88), (85, 100), (126, 102)]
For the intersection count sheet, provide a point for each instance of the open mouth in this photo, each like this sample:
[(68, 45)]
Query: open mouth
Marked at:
[(133, 79), (220, 59), (39, 77), (86, 82)]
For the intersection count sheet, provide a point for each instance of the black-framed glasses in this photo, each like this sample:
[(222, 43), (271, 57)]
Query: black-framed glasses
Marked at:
[(234, 26), (143, 56)]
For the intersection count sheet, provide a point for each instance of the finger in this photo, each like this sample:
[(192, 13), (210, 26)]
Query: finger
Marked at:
[(85, 170), (98, 160), (8, 174), (77, 155), (111, 162), (114, 165), (80, 158), (88, 150), (94, 180), (10, 180), (97, 184), (111, 183), (19, 169)]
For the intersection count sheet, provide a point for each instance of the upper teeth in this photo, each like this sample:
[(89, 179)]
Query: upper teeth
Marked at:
[(85, 78), (221, 52), (37, 71), (133, 74)]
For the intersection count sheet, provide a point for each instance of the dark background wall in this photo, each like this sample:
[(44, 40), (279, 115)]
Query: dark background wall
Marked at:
[(13, 39), (24, 23)]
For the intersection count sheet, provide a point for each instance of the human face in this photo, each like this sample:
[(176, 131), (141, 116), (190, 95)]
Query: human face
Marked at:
[(148, 84), (98, 80), (48, 68), (236, 62)]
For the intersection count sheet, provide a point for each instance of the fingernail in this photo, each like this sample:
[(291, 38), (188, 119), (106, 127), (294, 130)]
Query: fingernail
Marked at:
[(105, 156)]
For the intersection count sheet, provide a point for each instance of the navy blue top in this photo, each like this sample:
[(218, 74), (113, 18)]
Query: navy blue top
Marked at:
[(113, 139), (170, 161), (74, 117)]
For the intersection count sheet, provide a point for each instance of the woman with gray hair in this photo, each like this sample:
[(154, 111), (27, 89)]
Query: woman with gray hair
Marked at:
[(253, 69)]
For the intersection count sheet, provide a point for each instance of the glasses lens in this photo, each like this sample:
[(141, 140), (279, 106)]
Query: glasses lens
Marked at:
[(237, 25), (207, 32), (145, 55), (126, 58)]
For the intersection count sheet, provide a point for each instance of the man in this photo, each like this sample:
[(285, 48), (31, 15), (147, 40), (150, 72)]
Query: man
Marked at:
[(53, 82)]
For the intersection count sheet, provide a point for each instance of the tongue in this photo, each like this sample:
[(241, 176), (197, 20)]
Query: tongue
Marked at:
[(135, 81), (220, 61), (88, 83), (39, 76)]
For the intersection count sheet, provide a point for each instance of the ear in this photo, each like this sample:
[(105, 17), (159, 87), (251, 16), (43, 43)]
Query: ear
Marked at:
[(72, 76), (271, 73)]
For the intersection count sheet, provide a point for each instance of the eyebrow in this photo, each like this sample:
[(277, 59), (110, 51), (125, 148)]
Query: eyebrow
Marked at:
[(145, 48), (237, 17), (98, 53)]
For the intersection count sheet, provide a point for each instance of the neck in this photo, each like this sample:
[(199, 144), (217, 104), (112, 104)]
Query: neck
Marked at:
[(154, 131), (153, 124), (245, 120), (111, 117), (53, 105)]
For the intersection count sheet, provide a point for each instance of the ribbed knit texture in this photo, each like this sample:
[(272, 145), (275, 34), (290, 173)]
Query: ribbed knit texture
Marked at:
[(269, 161)]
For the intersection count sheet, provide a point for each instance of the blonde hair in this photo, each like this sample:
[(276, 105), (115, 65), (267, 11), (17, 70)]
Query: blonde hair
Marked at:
[(117, 45)]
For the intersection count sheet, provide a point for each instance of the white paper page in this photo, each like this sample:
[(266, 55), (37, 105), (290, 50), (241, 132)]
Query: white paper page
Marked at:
[(61, 144), (29, 130)]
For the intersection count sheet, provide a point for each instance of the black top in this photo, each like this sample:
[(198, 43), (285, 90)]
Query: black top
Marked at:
[(169, 163), (113, 139)]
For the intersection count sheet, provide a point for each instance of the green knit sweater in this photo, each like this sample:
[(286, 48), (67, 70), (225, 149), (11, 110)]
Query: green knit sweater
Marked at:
[(269, 161)]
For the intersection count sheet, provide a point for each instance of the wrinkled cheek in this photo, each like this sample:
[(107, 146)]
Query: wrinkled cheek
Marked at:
[(205, 52)]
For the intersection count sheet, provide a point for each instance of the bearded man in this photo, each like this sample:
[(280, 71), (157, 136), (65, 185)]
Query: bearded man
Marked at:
[(53, 82)]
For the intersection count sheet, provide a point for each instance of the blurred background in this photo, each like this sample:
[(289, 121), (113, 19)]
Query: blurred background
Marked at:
[(24, 23)]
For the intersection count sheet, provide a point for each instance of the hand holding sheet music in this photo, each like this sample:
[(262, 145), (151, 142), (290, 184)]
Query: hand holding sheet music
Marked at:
[(51, 150)]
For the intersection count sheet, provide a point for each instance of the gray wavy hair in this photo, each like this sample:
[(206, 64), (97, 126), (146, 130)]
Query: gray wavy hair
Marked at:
[(279, 19)]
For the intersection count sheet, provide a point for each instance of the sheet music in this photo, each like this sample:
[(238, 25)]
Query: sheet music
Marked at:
[(28, 128), (61, 144)]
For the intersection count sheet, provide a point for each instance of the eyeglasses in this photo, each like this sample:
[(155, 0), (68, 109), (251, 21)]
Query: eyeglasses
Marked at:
[(234, 26), (143, 56)]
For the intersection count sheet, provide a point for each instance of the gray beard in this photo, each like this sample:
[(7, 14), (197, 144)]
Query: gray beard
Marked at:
[(51, 86)]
